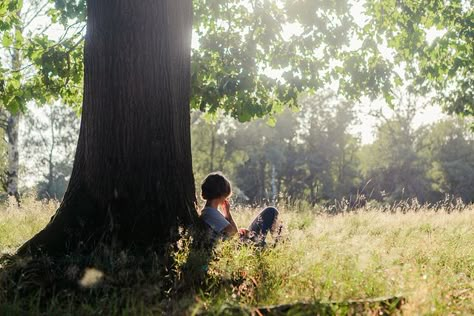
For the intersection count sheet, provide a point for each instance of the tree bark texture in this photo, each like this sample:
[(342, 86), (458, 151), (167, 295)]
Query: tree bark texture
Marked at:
[(132, 181)]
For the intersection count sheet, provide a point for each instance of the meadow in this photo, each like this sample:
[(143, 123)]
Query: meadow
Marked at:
[(424, 254)]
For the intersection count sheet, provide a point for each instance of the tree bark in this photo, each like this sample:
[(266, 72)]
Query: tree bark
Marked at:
[(132, 183)]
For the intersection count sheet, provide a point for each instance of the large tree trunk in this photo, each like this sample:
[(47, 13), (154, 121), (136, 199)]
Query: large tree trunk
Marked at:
[(132, 182)]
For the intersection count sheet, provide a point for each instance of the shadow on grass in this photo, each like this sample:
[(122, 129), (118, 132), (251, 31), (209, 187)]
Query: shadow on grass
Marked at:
[(106, 281)]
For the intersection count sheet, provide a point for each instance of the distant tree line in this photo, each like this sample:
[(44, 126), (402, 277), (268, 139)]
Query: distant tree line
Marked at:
[(310, 154), (306, 153)]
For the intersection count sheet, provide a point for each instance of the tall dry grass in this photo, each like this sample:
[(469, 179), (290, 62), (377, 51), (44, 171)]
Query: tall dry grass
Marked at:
[(425, 254), (19, 223)]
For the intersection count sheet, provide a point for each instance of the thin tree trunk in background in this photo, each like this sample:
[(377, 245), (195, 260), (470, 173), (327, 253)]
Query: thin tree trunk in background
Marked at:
[(132, 183), (13, 125), (262, 194), (225, 156), (213, 148), (342, 166), (12, 131), (274, 185), (313, 190), (51, 155)]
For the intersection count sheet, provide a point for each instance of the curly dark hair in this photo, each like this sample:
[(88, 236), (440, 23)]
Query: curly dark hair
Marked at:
[(214, 186)]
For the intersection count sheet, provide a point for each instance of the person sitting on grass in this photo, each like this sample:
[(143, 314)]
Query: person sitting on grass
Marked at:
[(216, 190)]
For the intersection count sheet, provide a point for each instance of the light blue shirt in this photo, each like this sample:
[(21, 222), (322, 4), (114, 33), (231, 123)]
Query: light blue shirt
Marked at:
[(215, 220)]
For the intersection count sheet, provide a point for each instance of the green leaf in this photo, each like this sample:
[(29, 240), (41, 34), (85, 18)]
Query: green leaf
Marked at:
[(15, 83), (271, 121), (7, 39)]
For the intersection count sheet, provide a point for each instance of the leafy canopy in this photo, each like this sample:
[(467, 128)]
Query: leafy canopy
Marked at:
[(35, 66), (255, 56), (251, 57), (244, 62), (434, 42)]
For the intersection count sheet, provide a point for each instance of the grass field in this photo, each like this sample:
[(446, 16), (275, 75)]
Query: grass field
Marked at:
[(424, 254)]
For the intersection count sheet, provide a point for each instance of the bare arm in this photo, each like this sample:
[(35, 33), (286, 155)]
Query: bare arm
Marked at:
[(231, 229)]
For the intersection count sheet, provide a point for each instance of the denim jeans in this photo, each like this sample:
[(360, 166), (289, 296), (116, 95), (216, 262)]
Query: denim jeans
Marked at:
[(262, 224)]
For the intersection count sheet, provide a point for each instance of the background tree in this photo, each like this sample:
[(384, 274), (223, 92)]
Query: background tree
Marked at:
[(329, 149), (432, 49), (449, 147), (213, 145), (48, 144), (24, 44), (3, 163), (241, 44), (346, 164), (392, 166), (12, 96), (306, 154), (253, 176)]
